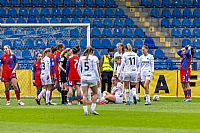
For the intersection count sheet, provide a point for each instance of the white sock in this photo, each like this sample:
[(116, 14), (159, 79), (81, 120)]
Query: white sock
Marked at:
[(99, 93), (102, 99), (131, 96), (85, 108), (137, 96), (93, 106), (41, 94), (134, 91), (89, 95), (127, 95), (47, 96), (147, 98)]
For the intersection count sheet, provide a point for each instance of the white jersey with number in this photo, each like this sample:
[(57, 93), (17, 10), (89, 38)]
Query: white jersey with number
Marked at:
[(87, 68), (46, 66), (115, 55), (146, 64)]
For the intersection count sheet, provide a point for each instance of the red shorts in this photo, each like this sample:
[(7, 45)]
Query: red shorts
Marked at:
[(7, 76), (38, 81), (74, 82), (185, 75)]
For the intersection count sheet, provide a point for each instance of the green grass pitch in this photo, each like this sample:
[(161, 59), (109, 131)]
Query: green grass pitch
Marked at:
[(166, 116)]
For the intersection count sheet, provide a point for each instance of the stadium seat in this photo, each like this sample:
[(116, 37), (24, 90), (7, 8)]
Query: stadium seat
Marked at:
[(69, 3), (166, 13), (155, 13), (197, 55), (83, 33), (51, 43), (97, 22), (177, 3), (107, 22), (159, 54), (103, 52), (36, 2), (99, 3), (29, 44), (150, 51), (139, 52), (196, 32), (120, 13), (54, 20), (197, 3), (187, 3), (66, 12), (83, 43), (166, 3), (10, 20), (86, 20), (32, 20), (138, 43), (196, 43), (26, 54), (165, 23), (156, 3), (96, 44), (88, 13), (196, 22), (139, 32), (33, 12), (79, 3), (128, 32), (96, 53), (77, 13), (115, 42), (187, 23), (98, 13), (126, 41), (24, 2), (89, 3), (66, 43), (96, 32), (175, 32), (117, 32), (150, 42), (18, 54), (186, 42), (45, 12), (43, 20), (75, 20), (73, 43), (39, 43), (146, 3), (110, 3), (12, 12), (1, 20), (196, 13), (4, 3), (109, 13), (74, 33), (7, 42), (55, 12), (170, 65), (107, 32), (3, 13), (23, 12), (64, 20), (118, 22), (31, 31), (106, 43), (17, 44), (186, 32), (129, 23), (177, 13), (57, 3), (176, 23), (8, 32), (187, 13), (46, 3), (20, 20)]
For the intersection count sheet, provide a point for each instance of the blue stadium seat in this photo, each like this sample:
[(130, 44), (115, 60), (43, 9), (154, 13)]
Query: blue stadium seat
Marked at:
[(196, 22), (88, 13), (83, 32), (51, 43), (156, 3), (120, 13), (165, 23), (150, 42), (96, 53), (10, 20), (73, 43), (166, 13), (69, 3), (106, 43), (196, 43), (75, 20), (103, 52), (26, 54), (86, 20), (197, 3), (54, 20), (159, 64), (196, 13), (175, 32), (74, 33), (177, 13), (56, 12), (8, 31), (66, 43), (129, 23), (7, 42), (146, 3), (187, 13), (117, 32), (17, 44), (46, 3), (119, 22), (186, 32), (57, 2), (96, 32), (35, 2), (155, 13), (150, 51), (159, 54), (77, 13), (187, 23), (139, 52), (196, 32), (20, 20), (110, 3), (83, 43), (32, 20), (24, 2), (166, 3), (109, 13), (89, 3), (115, 42), (139, 32), (3, 13), (176, 23), (43, 20), (29, 44), (187, 3), (107, 32), (98, 13), (99, 3), (107, 22), (138, 43), (23, 12), (39, 43), (177, 3), (33, 12), (3, 2), (64, 20), (96, 44), (45, 12), (128, 32), (97, 22), (170, 65), (12, 12), (186, 42), (30, 31), (126, 41), (18, 54), (66, 12), (1, 20)]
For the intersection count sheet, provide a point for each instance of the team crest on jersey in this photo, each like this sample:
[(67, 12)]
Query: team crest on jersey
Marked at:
[(11, 57), (62, 59)]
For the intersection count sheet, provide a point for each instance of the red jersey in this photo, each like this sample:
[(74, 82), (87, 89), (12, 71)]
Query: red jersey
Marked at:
[(57, 60), (73, 66), (8, 62), (36, 70)]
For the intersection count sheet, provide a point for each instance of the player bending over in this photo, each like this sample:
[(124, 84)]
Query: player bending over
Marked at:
[(88, 71), (146, 70), (9, 65)]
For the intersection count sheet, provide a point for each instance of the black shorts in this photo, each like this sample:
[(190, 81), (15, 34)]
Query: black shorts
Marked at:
[(63, 77)]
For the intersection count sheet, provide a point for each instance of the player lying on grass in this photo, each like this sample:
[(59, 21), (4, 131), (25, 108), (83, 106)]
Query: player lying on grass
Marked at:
[(117, 93)]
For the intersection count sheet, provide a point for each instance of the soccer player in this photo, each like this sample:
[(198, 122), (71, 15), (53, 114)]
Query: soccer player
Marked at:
[(120, 51), (118, 61), (186, 54), (9, 65), (146, 71), (129, 68), (36, 70), (73, 77), (64, 71), (47, 76), (88, 71), (116, 96)]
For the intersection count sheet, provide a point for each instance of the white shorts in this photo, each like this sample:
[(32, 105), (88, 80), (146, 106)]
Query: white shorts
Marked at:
[(119, 99), (90, 83), (147, 75), (46, 81), (132, 77)]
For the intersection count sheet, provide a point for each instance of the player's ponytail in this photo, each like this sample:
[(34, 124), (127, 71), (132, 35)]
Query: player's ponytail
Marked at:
[(88, 51), (128, 47)]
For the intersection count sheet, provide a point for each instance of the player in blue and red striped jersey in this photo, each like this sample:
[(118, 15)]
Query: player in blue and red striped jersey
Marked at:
[(186, 54), (36, 70), (8, 72)]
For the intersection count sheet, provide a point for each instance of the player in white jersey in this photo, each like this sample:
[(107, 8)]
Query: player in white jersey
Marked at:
[(129, 68), (118, 61), (47, 76), (116, 95), (146, 70), (88, 71), (120, 49)]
